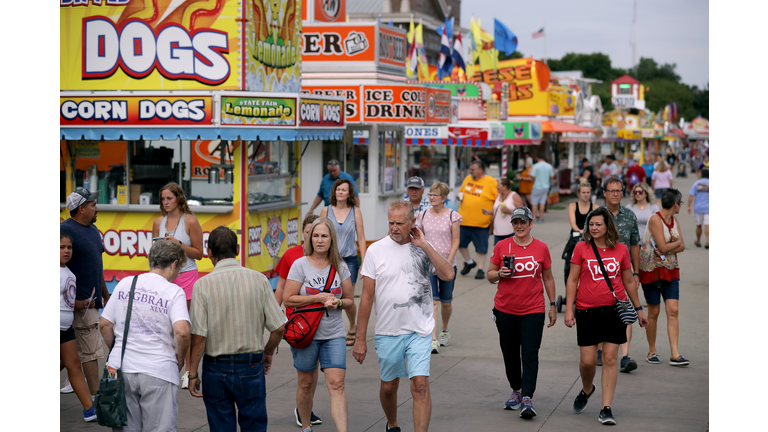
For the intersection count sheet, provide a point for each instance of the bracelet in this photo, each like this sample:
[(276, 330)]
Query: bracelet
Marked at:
[(341, 303), (636, 274), (639, 308), (193, 377)]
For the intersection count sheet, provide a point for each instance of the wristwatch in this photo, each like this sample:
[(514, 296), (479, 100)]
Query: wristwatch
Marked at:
[(552, 304), (639, 308), (636, 274)]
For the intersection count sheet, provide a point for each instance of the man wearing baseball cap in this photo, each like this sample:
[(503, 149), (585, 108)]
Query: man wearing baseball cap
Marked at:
[(87, 265), (416, 196)]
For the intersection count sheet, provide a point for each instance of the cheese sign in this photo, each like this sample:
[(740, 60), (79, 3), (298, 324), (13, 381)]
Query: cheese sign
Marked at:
[(108, 111)]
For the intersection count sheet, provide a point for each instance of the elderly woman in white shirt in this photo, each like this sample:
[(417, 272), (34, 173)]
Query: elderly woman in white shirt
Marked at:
[(158, 338)]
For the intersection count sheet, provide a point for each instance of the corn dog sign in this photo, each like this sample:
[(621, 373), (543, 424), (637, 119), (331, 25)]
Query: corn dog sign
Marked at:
[(150, 45)]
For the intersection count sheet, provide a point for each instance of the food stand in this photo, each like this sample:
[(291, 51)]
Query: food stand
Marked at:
[(202, 95)]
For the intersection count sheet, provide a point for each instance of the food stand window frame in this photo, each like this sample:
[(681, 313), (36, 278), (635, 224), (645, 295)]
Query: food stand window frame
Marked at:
[(394, 137), (289, 174)]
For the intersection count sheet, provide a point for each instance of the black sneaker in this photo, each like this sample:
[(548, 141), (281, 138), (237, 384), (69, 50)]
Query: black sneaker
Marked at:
[(606, 416), (627, 364), (480, 274), (467, 268), (581, 400), (389, 429), (313, 419)]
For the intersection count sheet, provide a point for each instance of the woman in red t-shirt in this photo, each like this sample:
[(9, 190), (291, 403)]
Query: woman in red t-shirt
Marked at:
[(519, 306), (596, 314)]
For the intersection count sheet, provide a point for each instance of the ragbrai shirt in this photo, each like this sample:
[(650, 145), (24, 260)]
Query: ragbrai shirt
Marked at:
[(231, 307), (593, 291), (626, 224), (523, 292), (478, 194), (700, 193), (327, 184), (86, 262), (403, 294), (543, 173), (151, 348)]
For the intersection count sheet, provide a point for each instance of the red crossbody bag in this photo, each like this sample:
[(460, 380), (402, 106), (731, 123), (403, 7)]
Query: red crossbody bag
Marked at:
[(303, 322)]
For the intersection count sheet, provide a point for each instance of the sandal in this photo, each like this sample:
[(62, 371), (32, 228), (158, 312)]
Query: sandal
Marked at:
[(697, 244), (706, 246), (351, 338)]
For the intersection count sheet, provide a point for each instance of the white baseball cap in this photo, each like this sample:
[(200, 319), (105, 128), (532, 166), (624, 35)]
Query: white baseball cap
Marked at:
[(80, 197)]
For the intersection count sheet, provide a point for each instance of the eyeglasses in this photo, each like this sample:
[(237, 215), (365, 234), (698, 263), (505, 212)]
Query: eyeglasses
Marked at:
[(435, 196), (333, 162), (639, 191), (615, 192)]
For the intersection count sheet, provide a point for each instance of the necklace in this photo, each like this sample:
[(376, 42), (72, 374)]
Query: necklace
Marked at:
[(171, 233), (525, 246)]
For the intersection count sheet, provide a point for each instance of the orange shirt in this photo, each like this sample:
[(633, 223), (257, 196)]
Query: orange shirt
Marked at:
[(478, 194), (525, 186)]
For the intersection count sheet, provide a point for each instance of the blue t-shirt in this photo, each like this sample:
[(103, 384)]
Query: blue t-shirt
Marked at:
[(86, 262), (700, 192), (543, 172), (648, 167), (327, 183)]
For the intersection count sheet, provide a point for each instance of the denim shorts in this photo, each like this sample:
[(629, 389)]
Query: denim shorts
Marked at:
[(658, 192), (654, 291), (477, 235), (442, 290), (393, 351), (353, 266), (332, 353), (498, 238)]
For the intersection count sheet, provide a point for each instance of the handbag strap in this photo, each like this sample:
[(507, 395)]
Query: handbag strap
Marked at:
[(128, 318), (329, 280), (602, 268)]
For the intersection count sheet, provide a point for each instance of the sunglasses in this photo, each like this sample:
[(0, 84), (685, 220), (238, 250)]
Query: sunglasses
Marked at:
[(639, 191)]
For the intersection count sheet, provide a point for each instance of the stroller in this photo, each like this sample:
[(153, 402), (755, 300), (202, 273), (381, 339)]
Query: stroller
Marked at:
[(681, 170)]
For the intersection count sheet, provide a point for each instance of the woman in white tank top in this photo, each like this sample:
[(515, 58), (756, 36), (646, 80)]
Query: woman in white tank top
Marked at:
[(179, 224)]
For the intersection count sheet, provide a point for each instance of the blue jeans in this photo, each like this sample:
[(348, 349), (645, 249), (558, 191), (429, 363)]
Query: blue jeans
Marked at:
[(353, 266), (226, 383)]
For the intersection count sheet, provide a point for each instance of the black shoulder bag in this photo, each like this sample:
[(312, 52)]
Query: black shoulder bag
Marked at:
[(626, 311), (111, 410)]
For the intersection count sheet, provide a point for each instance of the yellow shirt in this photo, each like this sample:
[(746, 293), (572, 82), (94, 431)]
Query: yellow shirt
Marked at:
[(478, 194)]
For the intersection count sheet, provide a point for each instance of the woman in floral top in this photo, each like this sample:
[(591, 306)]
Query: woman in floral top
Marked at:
[(660, 275)]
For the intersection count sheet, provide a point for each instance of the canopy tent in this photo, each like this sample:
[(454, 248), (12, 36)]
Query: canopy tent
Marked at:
[(557, 126)]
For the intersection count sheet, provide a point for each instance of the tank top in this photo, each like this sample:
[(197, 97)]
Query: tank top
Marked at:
[(581, 219), (345, 233), (652, 267), (180, 233)]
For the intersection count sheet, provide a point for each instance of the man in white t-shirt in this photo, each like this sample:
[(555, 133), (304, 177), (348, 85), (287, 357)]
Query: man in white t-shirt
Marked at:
[(396, 278)]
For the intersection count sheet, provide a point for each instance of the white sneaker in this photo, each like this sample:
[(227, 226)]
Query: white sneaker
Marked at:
[(444, 336), (185, 380), (67, 388), (435, 347)]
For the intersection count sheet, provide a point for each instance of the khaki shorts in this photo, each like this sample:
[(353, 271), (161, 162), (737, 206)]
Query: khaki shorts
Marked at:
[(701, 219), (89, 344)]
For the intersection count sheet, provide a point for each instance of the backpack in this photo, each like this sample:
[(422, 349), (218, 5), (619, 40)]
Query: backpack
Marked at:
[(302, 322)]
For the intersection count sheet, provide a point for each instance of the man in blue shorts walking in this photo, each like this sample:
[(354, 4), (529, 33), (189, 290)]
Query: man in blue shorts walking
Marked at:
[(396, 281)]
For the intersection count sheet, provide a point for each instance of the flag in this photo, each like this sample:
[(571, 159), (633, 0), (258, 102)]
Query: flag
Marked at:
[(539, 33), (474, 44), (444, 63), (421, 53), (448, 27), (392, 23), (505, 40), (458, 54), (411, 59), (488, 54), (674, 110)]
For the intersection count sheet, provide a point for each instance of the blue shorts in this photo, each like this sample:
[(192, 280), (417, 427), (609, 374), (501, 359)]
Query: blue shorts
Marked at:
[(353, 266), (658, 192), (332, 353), (393, 351), (497, 238), (654, 291), (477, 235), (442, 290)]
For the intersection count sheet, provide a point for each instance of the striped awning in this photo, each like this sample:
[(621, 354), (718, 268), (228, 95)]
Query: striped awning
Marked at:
[(153, 134)]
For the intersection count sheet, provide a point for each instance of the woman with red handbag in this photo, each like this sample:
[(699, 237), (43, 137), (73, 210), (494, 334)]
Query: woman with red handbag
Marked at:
[(321, 277)]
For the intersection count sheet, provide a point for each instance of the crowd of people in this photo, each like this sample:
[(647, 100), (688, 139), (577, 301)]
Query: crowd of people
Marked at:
[(178, 320)]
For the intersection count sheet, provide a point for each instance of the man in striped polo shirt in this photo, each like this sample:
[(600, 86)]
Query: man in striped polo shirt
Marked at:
[(231, 307)]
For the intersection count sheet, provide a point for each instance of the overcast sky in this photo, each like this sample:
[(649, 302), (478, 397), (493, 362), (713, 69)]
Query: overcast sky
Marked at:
[(669, 31)]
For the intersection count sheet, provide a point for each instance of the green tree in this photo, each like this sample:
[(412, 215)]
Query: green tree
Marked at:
[(700, 101), (663, 91), (647, 69), (514, 55)]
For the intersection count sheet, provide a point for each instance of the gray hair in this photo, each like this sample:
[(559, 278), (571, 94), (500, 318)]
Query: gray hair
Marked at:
[(402, 204), (164, 252)]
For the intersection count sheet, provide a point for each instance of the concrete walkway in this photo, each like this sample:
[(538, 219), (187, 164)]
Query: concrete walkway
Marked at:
[(467, 379)]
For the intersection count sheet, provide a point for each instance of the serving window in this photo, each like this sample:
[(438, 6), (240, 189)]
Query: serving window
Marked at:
[(272, 173), (390, 170), (428, 162)]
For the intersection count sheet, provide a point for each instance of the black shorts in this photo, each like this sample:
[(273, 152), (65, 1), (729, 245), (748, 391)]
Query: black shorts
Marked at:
[(600, 324), (66, 335)]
